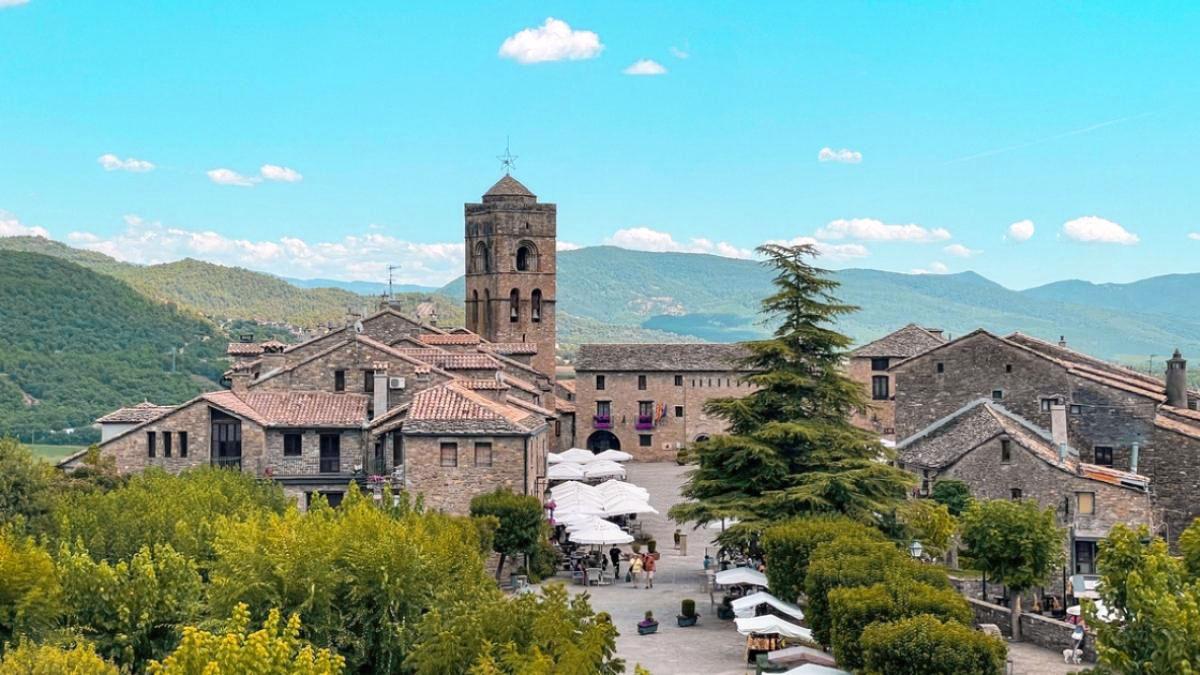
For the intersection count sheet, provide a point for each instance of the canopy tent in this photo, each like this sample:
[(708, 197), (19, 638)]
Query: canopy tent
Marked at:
[(565, 471), (801, 655), (769, 624), (569, 488), (621, 506), (742, 575), (601, 537), (814, 669), (614, 456), (577, 505), (577, 455), (745, 607), (612, 487), (591, 523), (603, 469)]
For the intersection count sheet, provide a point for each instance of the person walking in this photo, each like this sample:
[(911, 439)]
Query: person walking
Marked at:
[(649, 564), (635, 568), (614, 554)]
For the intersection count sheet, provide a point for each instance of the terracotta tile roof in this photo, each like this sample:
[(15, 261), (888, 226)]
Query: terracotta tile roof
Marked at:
[(564, 406), (703, 357), (523, 385), (451, 408), (274, 344), (136, 414), (531, 407), (1095, 369), (451, 360), (901, 344), (246, 365), (569, 385), (483, 384), (511, 348), (450, 339), (347, 329), (419, 366), (244, 349), (1186, 425), (294, 408)]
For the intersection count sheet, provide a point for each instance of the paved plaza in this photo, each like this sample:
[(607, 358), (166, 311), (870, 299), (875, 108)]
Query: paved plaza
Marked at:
[(713, 647)]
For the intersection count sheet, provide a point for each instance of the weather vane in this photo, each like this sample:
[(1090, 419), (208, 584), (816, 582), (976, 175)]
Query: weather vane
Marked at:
[(508, 161)]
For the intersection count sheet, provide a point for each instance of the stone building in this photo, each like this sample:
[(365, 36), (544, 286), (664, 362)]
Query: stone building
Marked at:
[(869, 365), (1109, 415), (648, 399)]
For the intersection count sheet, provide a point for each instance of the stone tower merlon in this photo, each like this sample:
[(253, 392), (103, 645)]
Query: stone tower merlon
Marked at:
[(511, 269)]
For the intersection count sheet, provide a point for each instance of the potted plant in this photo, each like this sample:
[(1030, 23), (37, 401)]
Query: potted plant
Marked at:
[(652, 546), (725, 609), (648, 625), (687, 613), (636, 546)]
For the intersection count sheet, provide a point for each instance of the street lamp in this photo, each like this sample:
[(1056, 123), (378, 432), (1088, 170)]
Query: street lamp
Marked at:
[(915, 549)]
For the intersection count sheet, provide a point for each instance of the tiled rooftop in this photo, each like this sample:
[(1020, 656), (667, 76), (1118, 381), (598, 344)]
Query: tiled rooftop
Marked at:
[(901, 344), (294, 408), (450, 339), (136, 414), (452, 408)]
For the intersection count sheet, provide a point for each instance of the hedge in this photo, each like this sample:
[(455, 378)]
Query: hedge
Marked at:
[(854, 609), (923, 645), (789, 545)]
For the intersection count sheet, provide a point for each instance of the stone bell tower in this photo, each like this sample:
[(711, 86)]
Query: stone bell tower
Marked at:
[(510, 256)]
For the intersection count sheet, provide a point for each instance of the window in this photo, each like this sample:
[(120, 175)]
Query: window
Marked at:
[(514, 305), (603, 408), (645, 408), (1008, 367), (599, 383), (1085, 503), (182, 443), (879, 387), (1104, 455), (1046, 404), (679, 411), (1005, 451), (339, 380), (483, 454), (475, 311), (678, 380), (1076, 409), (331, 453), (558, 427), (151, 447), (1016, 493), (645, 440), (1085, 557), (535, 305), (879, 363), (449, 454), (397, 449), (941, 367), (997, 394), (523, 259), (166, 443), (368, 381), (641, 383), (293, 445)]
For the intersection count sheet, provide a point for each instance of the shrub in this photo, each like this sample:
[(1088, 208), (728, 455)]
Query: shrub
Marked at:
[(688, 608), (521, 522), (789, 545), (853, 609), (27, 658), (652, 546), (955, 495), (29, 588), (923, 645), (1189, 546)]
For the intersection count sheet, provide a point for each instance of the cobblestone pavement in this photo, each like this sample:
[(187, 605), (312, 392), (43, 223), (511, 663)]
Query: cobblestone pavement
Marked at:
[(712, 647)]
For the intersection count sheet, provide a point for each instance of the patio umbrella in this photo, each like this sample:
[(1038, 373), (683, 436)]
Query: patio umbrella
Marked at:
[(600, 537), (614, 456), (741, 576), (553, 458), (591, 523), (816, 669), (571, 487), (578, 503), (615, 488), (626, 505), (769, 624), (577, 455), (565, 471), (603, 469)]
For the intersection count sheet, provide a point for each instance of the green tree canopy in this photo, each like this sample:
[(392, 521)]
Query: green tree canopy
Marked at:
[(789, 545), (28, 658), (24, 484), (929, 523), (955, 495), (923, 645), (522, 522), (30, 594), (791, 449), (1189, 546)]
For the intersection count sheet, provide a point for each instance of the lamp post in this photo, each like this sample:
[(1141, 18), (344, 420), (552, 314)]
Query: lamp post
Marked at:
[(915, 549)]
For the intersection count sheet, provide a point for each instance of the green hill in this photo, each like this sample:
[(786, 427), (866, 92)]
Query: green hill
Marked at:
[(75, 344), (1172, 294)]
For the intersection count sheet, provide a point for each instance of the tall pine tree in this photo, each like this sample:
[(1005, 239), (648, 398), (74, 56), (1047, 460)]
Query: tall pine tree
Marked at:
[(791, 449)]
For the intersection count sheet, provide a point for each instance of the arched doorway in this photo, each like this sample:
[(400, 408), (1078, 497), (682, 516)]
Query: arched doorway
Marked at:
[(701, 438), (600, 441)]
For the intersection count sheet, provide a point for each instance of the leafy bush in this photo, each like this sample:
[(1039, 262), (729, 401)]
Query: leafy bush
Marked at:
[(929, 523), (1189, 546), (853, 609), (923, 645), (955, 495), (24, 483), (277, 648), (789, 545), (687, 607), (522, 522), (29, 588), (27, 658)]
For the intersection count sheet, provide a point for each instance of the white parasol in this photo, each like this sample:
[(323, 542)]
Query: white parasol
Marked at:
[(614, 456)]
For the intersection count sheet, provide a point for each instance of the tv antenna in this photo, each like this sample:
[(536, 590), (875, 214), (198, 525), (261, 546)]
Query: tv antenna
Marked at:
[(391, 268), (508, 161)]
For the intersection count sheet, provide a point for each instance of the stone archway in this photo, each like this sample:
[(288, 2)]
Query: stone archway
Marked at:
[(701, 438), (600, 441)]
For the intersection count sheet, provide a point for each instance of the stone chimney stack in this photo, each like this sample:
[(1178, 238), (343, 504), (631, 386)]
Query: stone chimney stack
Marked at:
[(1177, 381), (380, 402), (1062, 341), (239, 379), (1058, 424)]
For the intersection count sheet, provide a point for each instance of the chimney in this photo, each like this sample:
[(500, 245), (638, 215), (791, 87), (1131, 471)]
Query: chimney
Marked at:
[(1062, 452), (381, 387), (239, 380), (1177, 381), (1133, 457), (1062, 341), (1058, 425), (937, 332)]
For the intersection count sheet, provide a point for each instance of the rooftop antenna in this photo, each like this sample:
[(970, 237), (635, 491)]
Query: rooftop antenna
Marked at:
[(508, 161), (391, 268)]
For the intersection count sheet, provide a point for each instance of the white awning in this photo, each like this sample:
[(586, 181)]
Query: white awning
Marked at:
[(626, 505), (769, 624), (577, 455), (814, 669), (614, 456), (603, 469), (601, 537), (611, 488), (742, 575), (565, 471), (745, 607)]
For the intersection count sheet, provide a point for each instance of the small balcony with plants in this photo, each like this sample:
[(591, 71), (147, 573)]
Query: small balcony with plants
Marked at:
[(602, 421), (644, 422)]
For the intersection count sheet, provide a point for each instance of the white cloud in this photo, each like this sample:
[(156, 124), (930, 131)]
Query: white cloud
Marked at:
[(231, 177), (12, 3), (842, 156), (1022, 230), (679, 53), (1194, 235), (645, 67), (934, 268), (10, 226), (833, 251), (960, 251), (646, 239), (552, 41), (566, 246), (280, 173), (870, 229), (1094, 229), (111, 162), (353, 257)]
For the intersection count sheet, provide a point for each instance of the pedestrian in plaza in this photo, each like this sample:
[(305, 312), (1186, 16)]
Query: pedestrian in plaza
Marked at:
[(614, 554), (635, 569), (649, 564)]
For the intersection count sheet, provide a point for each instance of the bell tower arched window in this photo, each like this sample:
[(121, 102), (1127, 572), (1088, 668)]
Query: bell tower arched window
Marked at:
[(475, 310), (479, 260), (527, 257), (487, 312), (514, 305), (535, 305)]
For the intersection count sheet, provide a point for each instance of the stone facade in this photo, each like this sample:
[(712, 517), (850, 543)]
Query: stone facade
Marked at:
[(869, 366), (517, 462), (131, 449)]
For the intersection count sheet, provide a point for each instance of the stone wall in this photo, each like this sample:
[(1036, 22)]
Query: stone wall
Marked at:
[(1036, 629), (450, 488), (131, 449), (353, 446), (1172, 462), (667, 434), (881, 417)]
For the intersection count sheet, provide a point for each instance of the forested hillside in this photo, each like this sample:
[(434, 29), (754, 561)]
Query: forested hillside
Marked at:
[(75, 344)]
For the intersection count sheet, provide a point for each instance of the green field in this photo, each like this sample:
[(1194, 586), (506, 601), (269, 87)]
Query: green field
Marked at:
[(53, 453)]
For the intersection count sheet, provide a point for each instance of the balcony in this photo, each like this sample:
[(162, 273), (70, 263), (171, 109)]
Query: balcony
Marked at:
[(331, 465), (228, 462), (644, 422), (602, 422)]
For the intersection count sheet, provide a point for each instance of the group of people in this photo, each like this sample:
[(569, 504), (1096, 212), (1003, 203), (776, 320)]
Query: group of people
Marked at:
[(641, 566)]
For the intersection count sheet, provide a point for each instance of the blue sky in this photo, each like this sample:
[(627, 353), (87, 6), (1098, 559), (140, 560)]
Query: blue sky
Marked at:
[(358, 130)]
